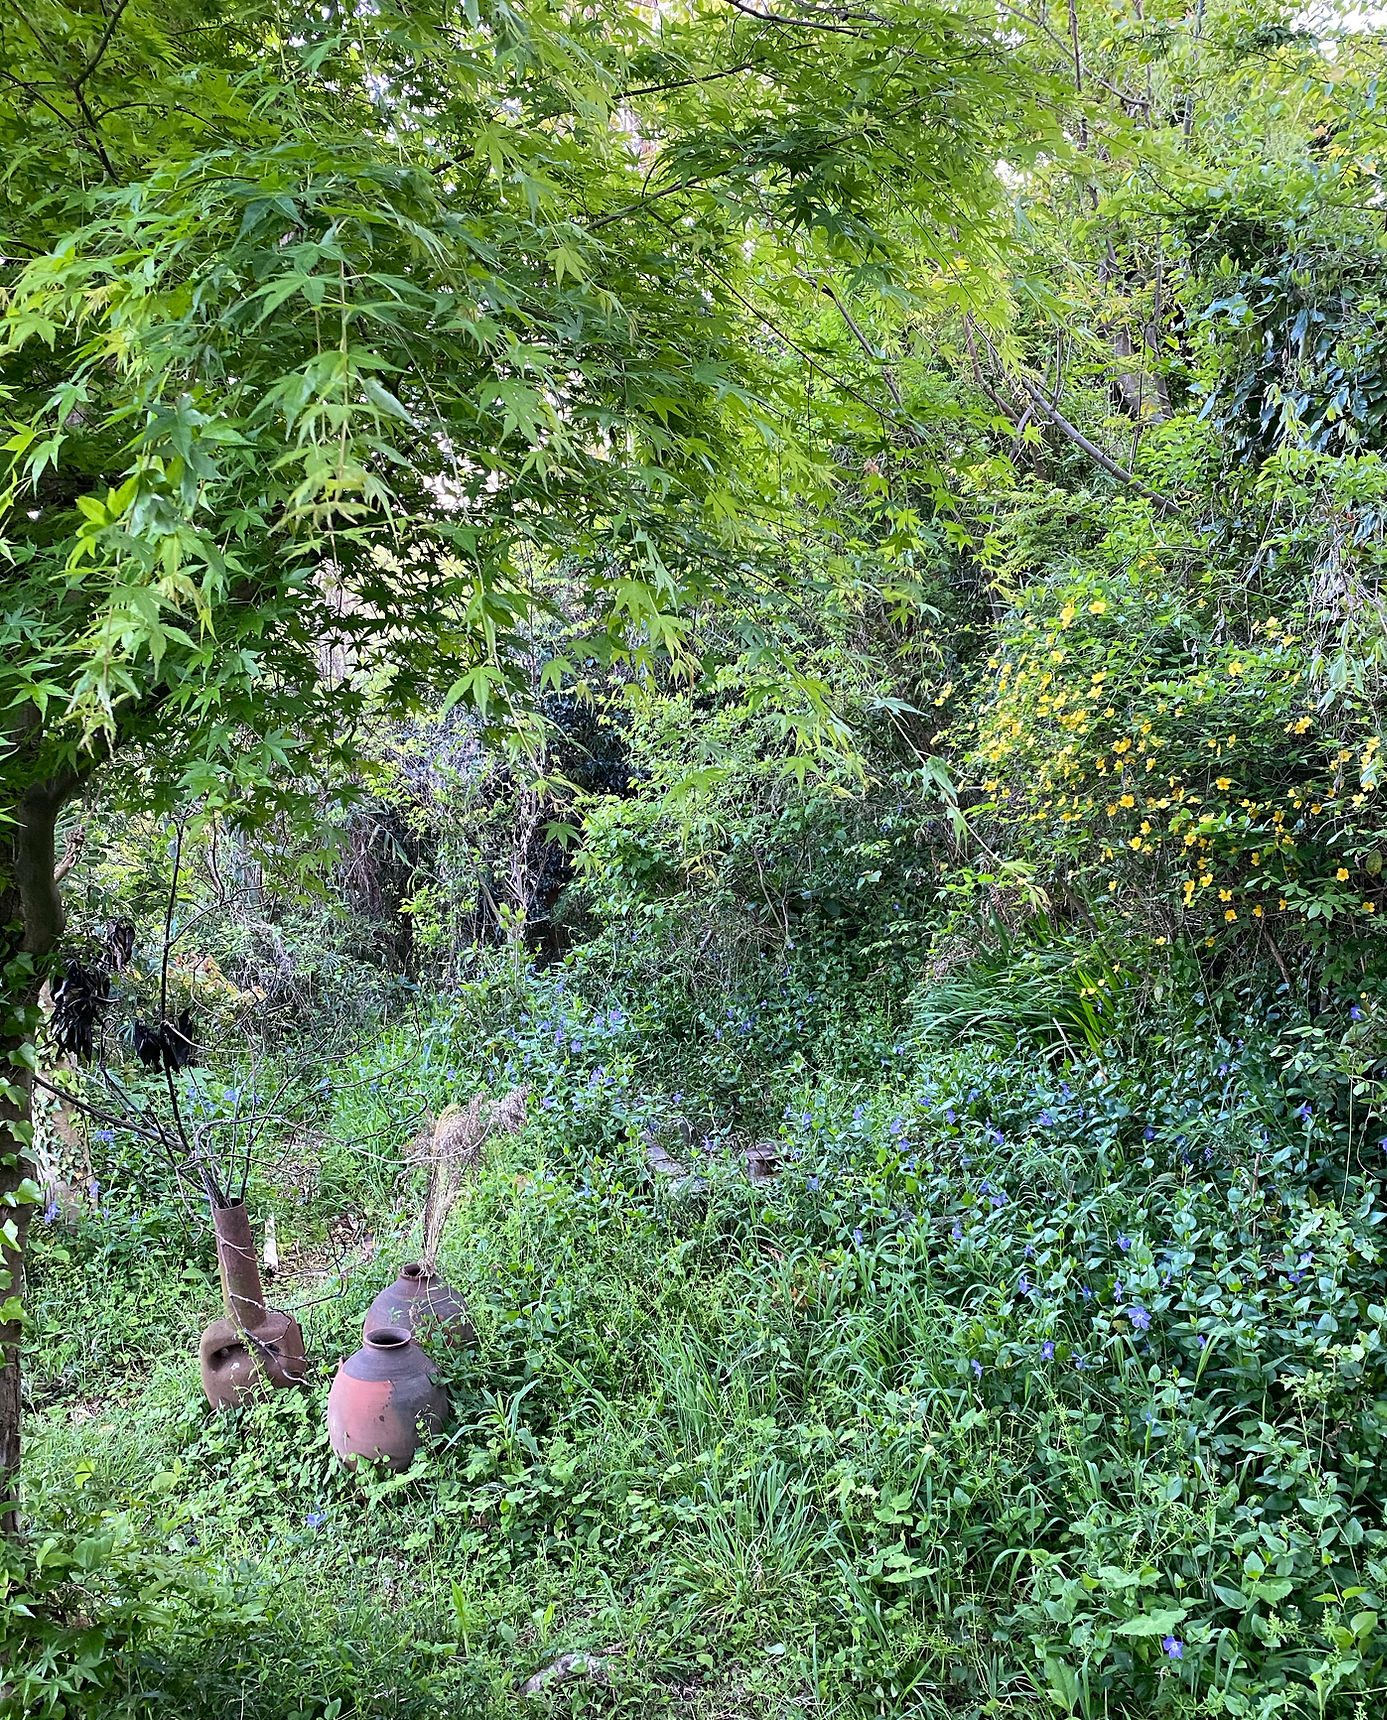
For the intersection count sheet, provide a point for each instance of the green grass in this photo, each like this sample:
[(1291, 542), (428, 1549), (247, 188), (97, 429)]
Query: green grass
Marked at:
[(1013, 1374)]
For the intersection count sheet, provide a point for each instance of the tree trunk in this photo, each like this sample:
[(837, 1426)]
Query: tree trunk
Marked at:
[(31, 920)]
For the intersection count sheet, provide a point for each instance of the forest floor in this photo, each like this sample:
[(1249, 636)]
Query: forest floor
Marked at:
[(1021, 1383)]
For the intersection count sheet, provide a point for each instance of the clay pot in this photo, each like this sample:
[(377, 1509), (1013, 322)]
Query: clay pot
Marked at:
[(382, 1398), (254, 1347), (429, 1309)]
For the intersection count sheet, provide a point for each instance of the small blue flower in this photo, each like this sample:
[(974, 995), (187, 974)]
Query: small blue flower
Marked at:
[(1148, 1133), (1045, 1120), (1304, 1112), (977, 1368), (1024, 1286), (957, 1231), (857, 1236), (1124, 1243), (949, 1116), (1173, 1647), (1139, 1317), (1047, 1350), (315, 1519), (812, 1184), (52, 1211), (1355, 1014)]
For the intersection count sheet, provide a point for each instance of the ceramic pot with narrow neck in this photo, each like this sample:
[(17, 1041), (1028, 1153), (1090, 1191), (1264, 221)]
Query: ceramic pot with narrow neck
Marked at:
[(429, 1309), (254, 1348), (384, 1401)]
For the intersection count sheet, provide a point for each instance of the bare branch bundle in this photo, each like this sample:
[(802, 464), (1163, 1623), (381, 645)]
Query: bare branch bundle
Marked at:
[(453, 1151)]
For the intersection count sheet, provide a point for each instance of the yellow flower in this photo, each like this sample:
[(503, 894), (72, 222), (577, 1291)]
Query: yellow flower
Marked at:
[(1127, 800), (1342, 874), (1225, 895), (1230, 915), (1369, 907), (1257, 912), (1235, 668), (1206, 880), (1224, 782), (1097, 607)]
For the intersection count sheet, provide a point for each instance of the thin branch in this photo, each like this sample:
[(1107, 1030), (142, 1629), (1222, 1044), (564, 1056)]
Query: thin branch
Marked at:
[(168, 926), (886, 373), (71, 854), (102, 45), (796, 23)]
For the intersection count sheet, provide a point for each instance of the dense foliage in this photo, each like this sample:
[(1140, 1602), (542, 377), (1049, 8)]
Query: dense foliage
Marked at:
[(804, 583)]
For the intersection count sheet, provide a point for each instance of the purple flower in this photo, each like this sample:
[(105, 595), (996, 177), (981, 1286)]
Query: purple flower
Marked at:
[(1124, 1243), (1047, 1350), (1139, 1317), (1148, 1133), (315, 1519), (957, 1231), (949, 1116), (1355, 1014), (977, 1368), (857, 1236), (1304, 1112), (812, 1184), (51, 1211), (1045, 1120), (1023, 1288), (1173, 1647)]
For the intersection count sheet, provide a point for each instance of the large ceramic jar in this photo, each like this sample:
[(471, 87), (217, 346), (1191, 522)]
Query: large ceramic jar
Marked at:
[(385, 1399), (424, 1305), (254, 1347)]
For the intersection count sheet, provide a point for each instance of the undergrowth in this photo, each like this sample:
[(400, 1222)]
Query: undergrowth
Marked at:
[(1028, 1383)]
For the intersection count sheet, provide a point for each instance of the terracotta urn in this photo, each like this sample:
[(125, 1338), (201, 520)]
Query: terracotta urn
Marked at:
[(384, 1400), (429, 1309), (254, 1347)]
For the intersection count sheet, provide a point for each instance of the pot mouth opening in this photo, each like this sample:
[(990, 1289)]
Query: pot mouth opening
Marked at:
[(388, 1338), (415, 1269)]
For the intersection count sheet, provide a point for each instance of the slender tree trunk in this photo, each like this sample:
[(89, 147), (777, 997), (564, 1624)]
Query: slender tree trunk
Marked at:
[(31, 920)]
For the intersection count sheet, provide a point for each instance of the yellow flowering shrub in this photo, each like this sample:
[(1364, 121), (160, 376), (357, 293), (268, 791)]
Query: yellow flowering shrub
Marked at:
[(1133, 733)]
